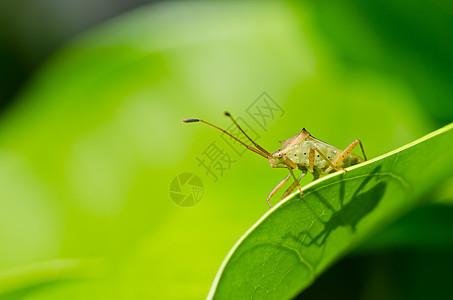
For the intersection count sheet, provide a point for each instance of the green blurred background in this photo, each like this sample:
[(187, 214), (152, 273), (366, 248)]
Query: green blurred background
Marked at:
[(92, 97)]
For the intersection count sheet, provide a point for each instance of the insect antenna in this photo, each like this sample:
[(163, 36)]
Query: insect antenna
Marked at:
[(256, 145), (265, 154)]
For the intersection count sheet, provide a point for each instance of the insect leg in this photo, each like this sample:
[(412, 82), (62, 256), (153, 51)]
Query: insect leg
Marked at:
[(343, 154), (315, 175), (294, 185), (311, 160), (290, 163), (295, 179), (276, 189), (363, 151)]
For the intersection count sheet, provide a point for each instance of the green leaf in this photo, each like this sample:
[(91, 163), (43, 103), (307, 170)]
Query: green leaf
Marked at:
[(293, 243)]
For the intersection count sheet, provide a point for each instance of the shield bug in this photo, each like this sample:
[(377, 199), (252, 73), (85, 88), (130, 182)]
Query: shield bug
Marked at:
[(301, 152)]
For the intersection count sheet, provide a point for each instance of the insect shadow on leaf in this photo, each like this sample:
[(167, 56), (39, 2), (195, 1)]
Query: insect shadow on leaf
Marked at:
[(350, 214), (360, 204)]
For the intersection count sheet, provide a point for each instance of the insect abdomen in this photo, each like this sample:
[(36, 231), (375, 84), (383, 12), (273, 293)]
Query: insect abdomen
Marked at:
[(329, 152), (350, 160), (301, 156)]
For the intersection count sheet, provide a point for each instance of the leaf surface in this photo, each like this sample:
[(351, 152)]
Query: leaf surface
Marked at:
[(293, 243)]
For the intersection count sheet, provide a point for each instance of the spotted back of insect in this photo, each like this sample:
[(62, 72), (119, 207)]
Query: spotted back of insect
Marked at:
[(297, 149)]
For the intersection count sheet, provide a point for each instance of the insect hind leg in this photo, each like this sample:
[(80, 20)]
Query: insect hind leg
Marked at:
[(343, 155)]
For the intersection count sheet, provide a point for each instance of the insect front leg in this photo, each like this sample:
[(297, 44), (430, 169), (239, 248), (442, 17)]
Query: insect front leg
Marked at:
[(295, 179), (343, 155), (294, 185), (290, 165), (276, 189)]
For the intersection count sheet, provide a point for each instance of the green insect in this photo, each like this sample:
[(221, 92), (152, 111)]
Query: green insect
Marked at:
[(301, 152)]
